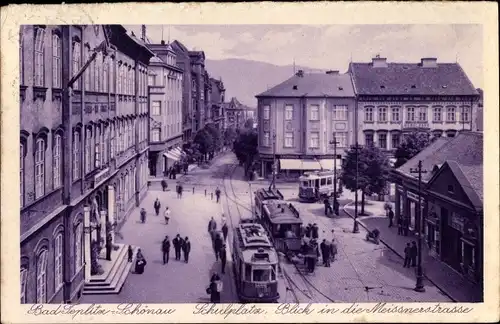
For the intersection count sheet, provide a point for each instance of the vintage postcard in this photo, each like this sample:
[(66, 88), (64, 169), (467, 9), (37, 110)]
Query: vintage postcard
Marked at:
[(250, 162)]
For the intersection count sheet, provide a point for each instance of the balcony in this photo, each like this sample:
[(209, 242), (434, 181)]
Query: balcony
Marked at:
[(416, 124)]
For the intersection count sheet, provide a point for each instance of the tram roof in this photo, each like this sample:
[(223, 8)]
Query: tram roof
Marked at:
[(266, 194), (317, 174), (252, 235), (261, 256), (282, 212)]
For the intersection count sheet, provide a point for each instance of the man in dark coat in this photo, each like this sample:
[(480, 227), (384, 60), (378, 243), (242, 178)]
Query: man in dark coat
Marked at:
[(223, 258), (308, 230), (391, 217), (130, 253), (327, 206), (164, 185), (165, 248), (212, 225), (325, 252), (407, 256), (225, 229), (157, 206), (177, 242), (400, 225), (186, 248), (217, 194), (413, 254), (217, 246), (143, 215), (315, 231)]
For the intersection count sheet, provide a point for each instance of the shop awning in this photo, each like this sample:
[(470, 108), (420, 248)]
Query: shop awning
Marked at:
[(328, 164), (297, 164), (171, 155)]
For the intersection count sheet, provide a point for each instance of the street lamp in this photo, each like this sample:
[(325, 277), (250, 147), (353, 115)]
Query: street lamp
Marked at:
[(419, 286), (334, 142), (356, 227)]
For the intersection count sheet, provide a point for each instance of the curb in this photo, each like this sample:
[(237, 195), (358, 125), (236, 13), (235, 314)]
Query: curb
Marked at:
[(397, 253)]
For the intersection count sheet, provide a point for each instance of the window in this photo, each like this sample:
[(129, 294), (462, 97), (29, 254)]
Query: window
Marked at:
[(422, 114), (156, 108), (368, 139), (24, 279), (382, 114), (266, 140), (341, 139), (288, 112), (58, 261), (451, 189), (262, 275), (266, 113), (152, 80), (314, 112), (436, 114), (155, 135), (112, 72), (39, 57), (97, 72), (41, 278), (97, 148), (411, 114), (112, 131), (21, 172), (78, 246), (289, 139), (382, 140), (56, 61), (119, 79), (76, 155), (465, 114), (339, 112), (39, 168), (86, 56), (105, 74), (450, 114), (395, 140), (104, 146), (395, 114), (57, 160), (130, 133), (314, 140), (88, 137), (369, 114)]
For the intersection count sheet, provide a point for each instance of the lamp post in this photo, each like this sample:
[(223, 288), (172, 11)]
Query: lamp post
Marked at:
[(419, 286), (274, 159), (334, 142), (356, 227)]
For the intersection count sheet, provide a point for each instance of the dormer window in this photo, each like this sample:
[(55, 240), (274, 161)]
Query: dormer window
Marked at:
[(294, 87), (413, 86), (451, 190), (382, 87), (444, 86), (340, 88)]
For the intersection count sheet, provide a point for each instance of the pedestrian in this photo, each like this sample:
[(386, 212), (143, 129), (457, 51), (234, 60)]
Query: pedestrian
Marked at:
[(166, 215), (413, 253), (179, 192), (217, 245), (165, 248), (217, 194), (143, 215), (157, 206), (140, 262), (130, 253), (391, 216), (308, 230), (225, 229), (323, 248), (215, 288), (407, 256), (164, 185), (212, 225), (222, 255), (406, 224), (186, 248), (109, 246), (333, 249), (177, 242), (327, 206), (315, 231), (400, 225)]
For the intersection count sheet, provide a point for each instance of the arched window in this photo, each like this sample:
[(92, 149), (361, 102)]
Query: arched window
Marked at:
[(41, 277), (77, 58), (86, 56), (39, 69), (56, 160), (78, 246), (97, 148), (112, 140), (58, 261), (24, 280), (39, 168), (56, 61), (76, 154), (88, 138)]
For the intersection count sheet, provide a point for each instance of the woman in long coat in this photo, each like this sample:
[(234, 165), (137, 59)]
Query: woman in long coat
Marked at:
[(215, 288), (140, 262)]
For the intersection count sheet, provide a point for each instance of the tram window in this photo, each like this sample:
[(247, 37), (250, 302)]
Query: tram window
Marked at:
[(248, 272), (273, 273), (305, 184), (323, 181), (329, 181), (261, 275)]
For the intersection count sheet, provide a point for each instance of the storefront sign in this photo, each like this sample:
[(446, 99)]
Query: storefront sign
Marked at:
[(456, 222)]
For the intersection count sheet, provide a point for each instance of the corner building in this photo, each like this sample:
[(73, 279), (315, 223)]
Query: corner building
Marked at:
[(298, 118), (82, 147)]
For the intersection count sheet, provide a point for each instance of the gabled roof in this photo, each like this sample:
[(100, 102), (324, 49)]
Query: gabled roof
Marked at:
[(235, 104), (410, 79), (178, 45), (466, 150), (313, 85)]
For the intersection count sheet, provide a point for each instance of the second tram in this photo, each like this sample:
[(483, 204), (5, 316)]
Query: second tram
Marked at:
[(318, 184)]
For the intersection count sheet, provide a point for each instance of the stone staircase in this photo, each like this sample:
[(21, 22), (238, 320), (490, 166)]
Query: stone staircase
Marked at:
[(113, 278)]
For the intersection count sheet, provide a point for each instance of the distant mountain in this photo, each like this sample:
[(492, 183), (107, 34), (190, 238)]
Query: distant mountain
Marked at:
[(244, 79)]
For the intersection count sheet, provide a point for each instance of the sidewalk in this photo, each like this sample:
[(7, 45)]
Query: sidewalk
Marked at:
[(440, 274)]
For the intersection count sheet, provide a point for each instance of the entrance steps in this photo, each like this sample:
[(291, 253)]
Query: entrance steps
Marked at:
[(115, 273)]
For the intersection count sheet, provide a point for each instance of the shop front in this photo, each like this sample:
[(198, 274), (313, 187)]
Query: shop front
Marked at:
[(407, 208)]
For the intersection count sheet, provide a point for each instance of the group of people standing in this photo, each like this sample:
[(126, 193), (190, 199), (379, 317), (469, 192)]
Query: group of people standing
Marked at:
[(180, 244), (411, 252), (311, 250), (219, 247)]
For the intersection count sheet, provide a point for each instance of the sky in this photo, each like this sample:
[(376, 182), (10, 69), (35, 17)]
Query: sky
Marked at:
[(330, 46)]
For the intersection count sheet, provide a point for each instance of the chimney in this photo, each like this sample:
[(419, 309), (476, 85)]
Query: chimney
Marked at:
[(378, 62), (428, 62), (143, 36), (162, 42), (332, 72), (300, 73)]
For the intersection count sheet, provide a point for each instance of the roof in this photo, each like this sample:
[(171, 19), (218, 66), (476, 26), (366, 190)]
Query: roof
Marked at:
[(235, 104), (140, 42), (282, 212), (178, 45), (411, 79), (313, 85), (465, 150)]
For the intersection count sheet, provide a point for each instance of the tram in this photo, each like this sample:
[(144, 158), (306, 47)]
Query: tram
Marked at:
[(283, 223), (318, 184), (255, 264), (263, 195)]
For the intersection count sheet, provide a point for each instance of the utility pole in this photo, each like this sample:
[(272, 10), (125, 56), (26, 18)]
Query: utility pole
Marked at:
[(334, 142), (356, 227), (274, 159), (419, 286)]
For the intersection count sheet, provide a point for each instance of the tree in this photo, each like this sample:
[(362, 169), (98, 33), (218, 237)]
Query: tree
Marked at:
[(229, 135), (205, 141), (411, 145), (245, 148), (373, 172), (249, 123), (216, 135)]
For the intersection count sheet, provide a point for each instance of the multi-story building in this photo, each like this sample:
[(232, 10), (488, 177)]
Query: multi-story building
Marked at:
[(395, 98), (200, 89), (217, 100), (234, 113), (297, 119), (83, 151), (480, 112), (165, 109)]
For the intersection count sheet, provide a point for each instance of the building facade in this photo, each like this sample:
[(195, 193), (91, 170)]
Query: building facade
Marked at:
[(200, 90), (236, 113), (217, 103), (298, 117), (451, 200), (165, 108), (81, 147), (397, 98)]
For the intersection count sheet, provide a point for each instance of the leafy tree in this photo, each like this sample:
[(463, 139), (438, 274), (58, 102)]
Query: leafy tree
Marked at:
[(373, 172), (245, 148), (205, 141), (230, 135), (249, 123), (411, 145), (216, 135)]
